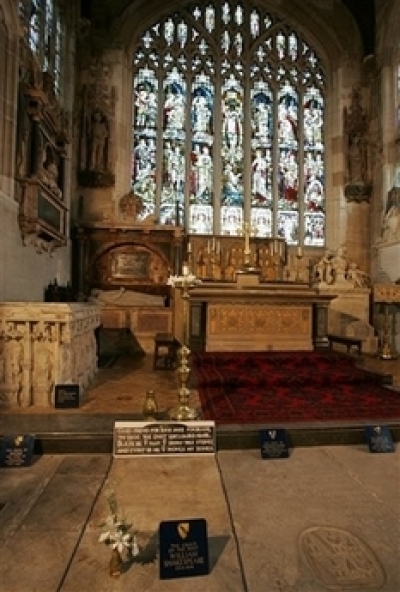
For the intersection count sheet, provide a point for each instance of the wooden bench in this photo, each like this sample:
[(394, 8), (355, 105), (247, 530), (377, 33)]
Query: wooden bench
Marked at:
[(165, 351), (349, 342)]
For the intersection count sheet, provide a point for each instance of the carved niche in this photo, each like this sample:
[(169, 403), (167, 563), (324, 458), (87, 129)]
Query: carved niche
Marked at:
[(390, 230), (132, 265), (358, 184), (96, 133), (41, 142)]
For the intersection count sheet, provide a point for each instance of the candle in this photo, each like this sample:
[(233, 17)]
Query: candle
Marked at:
[(185, 269), (189, 247), (299, 252)]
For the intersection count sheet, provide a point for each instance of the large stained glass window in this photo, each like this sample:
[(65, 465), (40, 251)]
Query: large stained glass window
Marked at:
[(228, 124), (44, 23)]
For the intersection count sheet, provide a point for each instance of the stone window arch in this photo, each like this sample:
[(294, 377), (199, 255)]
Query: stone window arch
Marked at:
[(228, 124)]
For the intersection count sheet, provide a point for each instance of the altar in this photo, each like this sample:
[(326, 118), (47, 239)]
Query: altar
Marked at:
[(265, 317)]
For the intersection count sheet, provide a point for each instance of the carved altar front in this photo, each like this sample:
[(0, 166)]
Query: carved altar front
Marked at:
[(42, 345), (255, 318)]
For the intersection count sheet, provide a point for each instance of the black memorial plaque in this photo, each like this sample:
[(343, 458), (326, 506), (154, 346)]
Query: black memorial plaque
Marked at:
[(133, 438), (274, 443), (16, 451), (66, 396), (183, 548), (379, 439)]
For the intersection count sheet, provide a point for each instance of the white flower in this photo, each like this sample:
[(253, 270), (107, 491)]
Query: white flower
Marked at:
[(178, 280), (118, 533), (135, 547)]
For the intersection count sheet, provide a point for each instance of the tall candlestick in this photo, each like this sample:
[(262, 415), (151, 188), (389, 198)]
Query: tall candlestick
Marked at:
[(246, 229)]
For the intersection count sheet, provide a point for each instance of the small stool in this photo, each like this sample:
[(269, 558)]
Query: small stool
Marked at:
[(165, 348)]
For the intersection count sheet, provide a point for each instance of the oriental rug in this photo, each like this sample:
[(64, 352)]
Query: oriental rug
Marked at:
[(290, 387)]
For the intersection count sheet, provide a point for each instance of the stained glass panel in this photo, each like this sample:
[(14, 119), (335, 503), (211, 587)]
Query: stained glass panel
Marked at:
[(46, 36), (235, 130)]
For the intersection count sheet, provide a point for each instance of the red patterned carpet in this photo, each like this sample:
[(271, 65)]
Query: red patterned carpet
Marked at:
[(290, 387)]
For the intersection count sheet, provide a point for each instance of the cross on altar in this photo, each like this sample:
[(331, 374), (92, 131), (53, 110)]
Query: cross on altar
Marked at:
[(246, 233)]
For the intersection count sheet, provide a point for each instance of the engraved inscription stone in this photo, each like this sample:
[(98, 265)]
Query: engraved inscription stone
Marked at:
[(183, 548), (339, 560), (133, 438), (379, 439), (274, 443), (16, 451)]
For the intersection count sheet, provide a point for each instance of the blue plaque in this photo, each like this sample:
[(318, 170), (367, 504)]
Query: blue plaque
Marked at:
[(16, 451), (183, 548), (274, 443), (66, 396), (379, 439)]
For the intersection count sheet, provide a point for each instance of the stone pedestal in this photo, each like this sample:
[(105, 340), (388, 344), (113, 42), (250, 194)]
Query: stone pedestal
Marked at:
[(349, 312), (44, 344)]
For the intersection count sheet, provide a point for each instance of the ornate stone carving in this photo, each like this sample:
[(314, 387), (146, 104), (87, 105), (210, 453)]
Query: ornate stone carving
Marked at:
[(44, 345), (43, 132), (335, 268), (391, 220), (96, 157), (358, 186), (130, 206), (340, 560)]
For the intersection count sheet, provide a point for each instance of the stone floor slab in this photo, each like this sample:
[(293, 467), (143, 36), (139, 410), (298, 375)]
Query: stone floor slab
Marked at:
[(277, 505), (149, 491), (324, 519)]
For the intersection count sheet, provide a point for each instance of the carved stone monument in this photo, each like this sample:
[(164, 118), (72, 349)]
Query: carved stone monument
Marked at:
[(355, 123), (96, 155), (43, 345)]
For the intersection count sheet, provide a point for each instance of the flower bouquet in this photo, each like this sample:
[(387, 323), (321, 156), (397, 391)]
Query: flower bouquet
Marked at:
[(119, 535)]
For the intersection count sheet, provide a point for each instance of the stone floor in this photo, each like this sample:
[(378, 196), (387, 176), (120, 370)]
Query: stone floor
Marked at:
[(326, 518)]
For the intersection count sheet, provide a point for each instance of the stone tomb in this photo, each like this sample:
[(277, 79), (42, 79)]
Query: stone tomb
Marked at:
[(44, 344)]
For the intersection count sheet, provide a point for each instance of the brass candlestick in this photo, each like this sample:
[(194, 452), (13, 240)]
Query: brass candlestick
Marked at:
[(183, 411)]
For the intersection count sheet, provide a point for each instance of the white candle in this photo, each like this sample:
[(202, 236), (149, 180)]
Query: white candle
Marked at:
[(299, 252), (189, 247), (185, 269)]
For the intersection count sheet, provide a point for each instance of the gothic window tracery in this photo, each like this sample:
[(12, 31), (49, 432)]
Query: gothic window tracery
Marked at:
[(228, 124), (44, 24)]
